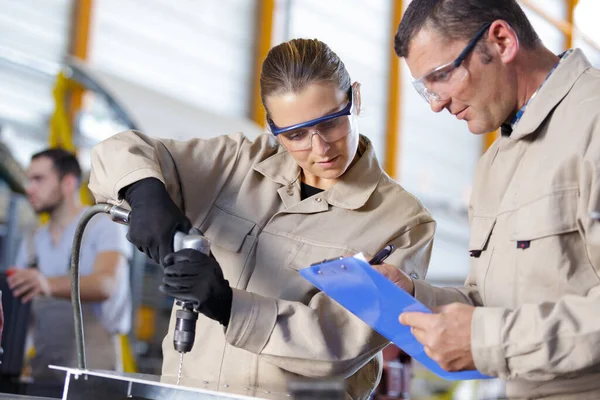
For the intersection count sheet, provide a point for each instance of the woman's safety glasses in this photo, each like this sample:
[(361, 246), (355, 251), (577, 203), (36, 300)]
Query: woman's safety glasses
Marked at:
[(330, 128), (439, 84)]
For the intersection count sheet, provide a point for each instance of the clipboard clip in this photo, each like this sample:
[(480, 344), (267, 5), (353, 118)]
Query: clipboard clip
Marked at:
[(378, 259), (326, 261)]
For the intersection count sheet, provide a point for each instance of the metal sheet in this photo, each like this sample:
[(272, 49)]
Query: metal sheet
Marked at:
[(91, 385), (21, 397)]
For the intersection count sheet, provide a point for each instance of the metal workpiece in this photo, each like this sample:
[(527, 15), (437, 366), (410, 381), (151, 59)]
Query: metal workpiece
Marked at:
[(96, 385), (11, 396)]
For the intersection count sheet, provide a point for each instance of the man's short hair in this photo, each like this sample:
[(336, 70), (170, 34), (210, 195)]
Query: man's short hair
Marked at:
[(460, 20), (64, 162)]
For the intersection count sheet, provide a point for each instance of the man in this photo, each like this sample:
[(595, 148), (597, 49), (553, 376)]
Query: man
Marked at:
[(528, 312), (42, 271)]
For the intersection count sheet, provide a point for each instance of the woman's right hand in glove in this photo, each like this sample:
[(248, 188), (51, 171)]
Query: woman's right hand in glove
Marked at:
[(154, 218)]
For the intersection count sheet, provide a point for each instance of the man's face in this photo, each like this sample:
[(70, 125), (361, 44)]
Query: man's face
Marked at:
[(44, 186), (483, 94)]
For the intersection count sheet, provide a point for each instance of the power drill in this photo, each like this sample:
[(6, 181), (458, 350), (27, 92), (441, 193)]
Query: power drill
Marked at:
[(186, 317)]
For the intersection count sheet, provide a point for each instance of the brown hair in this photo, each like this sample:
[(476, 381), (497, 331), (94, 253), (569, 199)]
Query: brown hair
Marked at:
[(460, 20), (63, 161), (292, 65)]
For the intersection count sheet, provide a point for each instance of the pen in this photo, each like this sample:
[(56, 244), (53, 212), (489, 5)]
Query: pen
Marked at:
[(382, 255)]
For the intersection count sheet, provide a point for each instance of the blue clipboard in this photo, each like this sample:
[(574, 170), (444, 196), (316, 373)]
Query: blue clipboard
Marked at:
[(373, 298)]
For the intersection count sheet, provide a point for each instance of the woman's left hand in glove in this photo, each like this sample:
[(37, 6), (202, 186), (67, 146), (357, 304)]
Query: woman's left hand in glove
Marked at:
[(192, 276)]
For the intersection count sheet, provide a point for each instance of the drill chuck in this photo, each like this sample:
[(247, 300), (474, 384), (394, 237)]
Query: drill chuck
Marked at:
[(185, 328)]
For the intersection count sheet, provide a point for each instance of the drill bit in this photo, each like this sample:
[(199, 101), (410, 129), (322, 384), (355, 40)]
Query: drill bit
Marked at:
[(180, 366), (185, 332)]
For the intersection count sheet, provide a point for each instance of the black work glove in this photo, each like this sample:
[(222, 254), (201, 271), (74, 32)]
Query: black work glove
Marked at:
[(195, 277), (154, 218)]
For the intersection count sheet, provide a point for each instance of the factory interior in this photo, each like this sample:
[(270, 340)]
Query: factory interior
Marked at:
[(75, 73)]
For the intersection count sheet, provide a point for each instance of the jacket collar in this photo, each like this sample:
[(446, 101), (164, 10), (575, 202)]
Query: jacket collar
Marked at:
[(351, 192), (551, 94)]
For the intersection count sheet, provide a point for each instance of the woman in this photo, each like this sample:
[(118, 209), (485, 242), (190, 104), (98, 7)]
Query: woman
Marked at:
[(311, 190)]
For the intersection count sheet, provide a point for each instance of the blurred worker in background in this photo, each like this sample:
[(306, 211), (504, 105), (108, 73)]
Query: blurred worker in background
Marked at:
[(528, 312), (41, 272), (311, 190)]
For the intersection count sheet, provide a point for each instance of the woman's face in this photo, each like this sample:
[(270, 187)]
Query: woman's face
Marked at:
[(325, 161)]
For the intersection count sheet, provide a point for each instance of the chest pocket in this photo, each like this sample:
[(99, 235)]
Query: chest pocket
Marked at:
[(550, 215), (293, 286), (551, 256), (481, 251), (307, 254), (232, 241), (228, 231)]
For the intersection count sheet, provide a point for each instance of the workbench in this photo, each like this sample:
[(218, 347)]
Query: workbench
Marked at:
[(92, 385)]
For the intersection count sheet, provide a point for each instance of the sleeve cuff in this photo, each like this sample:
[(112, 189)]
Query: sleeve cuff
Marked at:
[(252, 320), (134, 176), (486, 341), (425, 293)]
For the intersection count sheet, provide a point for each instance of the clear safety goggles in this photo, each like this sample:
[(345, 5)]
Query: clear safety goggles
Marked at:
[(330, 128), (440, 83)]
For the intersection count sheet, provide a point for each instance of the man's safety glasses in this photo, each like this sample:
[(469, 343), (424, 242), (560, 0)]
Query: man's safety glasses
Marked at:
[(330, 128), (439, 84)]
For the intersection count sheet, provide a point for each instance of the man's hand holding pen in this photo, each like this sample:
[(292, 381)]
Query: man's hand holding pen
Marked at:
[(391, 272), (397, 276)]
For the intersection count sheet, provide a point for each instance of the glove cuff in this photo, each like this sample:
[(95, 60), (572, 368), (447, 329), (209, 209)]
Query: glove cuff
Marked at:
[(144, 189), (223, 303)]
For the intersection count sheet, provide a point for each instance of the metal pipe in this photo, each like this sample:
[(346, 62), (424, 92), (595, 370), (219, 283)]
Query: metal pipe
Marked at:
[(117, 214)]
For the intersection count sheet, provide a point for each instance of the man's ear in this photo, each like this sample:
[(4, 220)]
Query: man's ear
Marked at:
[(356, 97), (504, 41), (69, 183)]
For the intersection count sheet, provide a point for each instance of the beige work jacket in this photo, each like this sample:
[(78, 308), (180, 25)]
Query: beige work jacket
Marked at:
[(245, 196), (535, 252)]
